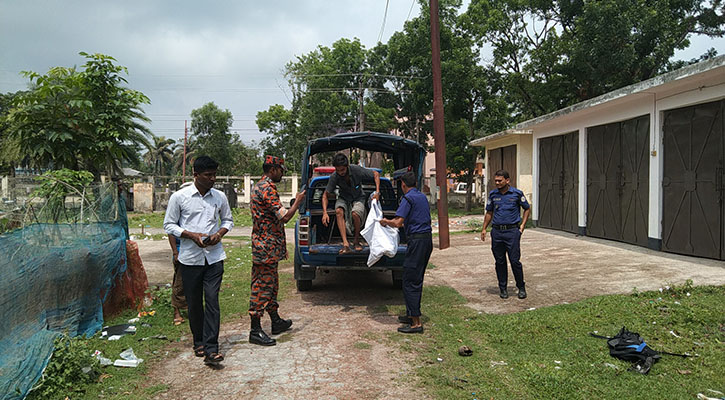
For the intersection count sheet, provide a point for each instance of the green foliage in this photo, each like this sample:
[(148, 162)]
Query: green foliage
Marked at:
[(8, 147), (64, 376), (62, 182), (329, 86), (211, 137), (557, 53), (56, 185), (75, 119), (160, 156)]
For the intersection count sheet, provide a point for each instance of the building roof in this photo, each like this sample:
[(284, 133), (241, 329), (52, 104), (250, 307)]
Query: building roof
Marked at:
[(131, 172), (641, 87), (482, 141)]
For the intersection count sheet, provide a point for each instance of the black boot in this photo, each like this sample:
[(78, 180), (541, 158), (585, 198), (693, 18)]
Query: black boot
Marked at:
[(257, 335), (279, 325)]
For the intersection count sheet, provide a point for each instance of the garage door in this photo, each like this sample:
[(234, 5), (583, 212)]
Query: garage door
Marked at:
[(502, 158), (618, 180), (558, 182), (692, 184)]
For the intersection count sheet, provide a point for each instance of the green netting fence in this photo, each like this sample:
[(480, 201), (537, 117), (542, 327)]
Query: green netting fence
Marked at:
[(57, 263)]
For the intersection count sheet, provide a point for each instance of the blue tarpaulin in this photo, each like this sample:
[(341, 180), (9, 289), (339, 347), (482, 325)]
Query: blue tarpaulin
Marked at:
[(53, 280)]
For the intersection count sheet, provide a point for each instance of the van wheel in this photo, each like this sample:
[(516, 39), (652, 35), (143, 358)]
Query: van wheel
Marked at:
[(304, 285)]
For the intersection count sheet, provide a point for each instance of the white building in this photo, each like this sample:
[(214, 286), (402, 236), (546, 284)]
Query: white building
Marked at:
[(644, 164)]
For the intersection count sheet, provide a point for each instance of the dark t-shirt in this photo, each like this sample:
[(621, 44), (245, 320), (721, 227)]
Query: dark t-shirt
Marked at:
[(415, 212), (351, 191)]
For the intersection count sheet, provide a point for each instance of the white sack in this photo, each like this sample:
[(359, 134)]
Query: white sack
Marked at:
[(383, 240)]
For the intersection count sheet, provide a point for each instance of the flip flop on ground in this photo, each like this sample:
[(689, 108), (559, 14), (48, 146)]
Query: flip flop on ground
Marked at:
[(345, 250)]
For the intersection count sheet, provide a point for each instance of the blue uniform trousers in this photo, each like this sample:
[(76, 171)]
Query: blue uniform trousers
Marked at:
[(416, 260), (507, 241)]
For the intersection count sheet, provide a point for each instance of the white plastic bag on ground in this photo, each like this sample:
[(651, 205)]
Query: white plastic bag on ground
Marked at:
[(383, 240)]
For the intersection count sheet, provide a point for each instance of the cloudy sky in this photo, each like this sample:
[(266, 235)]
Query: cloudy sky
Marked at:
[(183, 54)]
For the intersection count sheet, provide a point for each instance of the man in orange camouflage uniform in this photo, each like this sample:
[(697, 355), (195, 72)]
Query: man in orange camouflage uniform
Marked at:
[(269, 245)]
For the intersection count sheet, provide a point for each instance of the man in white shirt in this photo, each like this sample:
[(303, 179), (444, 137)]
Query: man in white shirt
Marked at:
[(200, 216)]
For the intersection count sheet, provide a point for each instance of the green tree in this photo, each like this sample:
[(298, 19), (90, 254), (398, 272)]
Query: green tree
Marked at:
[(191, 153), (330, 87), (210, 132), (81, 120), (556, 53), (9, 152), (161, 155), (247, 160)]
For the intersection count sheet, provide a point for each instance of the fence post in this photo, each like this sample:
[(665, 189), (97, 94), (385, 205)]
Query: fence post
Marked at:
[(6, 187), (247, 198), (295, 184)]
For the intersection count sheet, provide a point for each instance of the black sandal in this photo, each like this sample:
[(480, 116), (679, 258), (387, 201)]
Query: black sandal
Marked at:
[(199, 351), (213, 359)]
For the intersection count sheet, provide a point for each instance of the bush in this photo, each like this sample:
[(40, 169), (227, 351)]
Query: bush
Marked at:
[(65, 370)]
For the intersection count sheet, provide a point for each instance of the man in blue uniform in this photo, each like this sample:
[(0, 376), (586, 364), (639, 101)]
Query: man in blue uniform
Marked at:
[(504, 209), (414, 214)]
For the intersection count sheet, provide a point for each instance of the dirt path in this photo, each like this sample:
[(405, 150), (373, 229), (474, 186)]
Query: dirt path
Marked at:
[(332, 352)]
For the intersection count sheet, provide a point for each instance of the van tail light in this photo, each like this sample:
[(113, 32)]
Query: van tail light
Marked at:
[(303, 231)]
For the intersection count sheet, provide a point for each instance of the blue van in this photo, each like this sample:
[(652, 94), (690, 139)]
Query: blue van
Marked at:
[(316, 245)]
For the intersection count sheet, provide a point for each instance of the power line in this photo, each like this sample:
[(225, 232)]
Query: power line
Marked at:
[(364, 74), (385, 17), (410, 11)]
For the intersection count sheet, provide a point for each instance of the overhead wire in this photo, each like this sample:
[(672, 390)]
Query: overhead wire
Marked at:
[(410, 11), (385, 17)]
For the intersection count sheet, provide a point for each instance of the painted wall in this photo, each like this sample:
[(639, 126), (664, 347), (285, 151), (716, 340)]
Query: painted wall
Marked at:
[(524, 157)]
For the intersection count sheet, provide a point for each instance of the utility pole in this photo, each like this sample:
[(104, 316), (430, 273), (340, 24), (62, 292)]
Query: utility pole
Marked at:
[(361, 106), (439, 134), (183, 162)]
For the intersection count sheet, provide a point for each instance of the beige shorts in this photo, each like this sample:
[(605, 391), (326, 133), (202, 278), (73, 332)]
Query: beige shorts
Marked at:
[(358, 207)]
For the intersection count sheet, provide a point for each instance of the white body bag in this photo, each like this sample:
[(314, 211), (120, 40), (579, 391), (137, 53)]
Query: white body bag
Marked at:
[(383, 240)]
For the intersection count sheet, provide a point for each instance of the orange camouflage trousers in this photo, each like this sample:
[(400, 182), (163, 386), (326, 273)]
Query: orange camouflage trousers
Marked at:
[(265, 284)]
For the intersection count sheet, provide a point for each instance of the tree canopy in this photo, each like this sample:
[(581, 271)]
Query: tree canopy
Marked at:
[(78, 119), (211, 136), (556, 53)]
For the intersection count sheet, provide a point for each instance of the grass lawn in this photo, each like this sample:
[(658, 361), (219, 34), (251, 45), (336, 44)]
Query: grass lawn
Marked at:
[(458, 212), (548, 353), (125, 383), (242, 217)]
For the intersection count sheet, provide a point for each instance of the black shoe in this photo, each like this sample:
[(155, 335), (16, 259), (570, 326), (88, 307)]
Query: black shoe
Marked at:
[(522, 293), (404, 319), (280, 326), (213, 359), (408, 329), (261, 338), (504, 294)]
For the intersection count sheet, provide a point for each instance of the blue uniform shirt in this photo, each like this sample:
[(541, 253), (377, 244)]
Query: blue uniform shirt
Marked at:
[(505, 206), (415, 212)]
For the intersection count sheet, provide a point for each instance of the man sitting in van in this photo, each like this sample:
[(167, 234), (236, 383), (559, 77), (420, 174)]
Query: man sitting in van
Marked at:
[(350, 203)]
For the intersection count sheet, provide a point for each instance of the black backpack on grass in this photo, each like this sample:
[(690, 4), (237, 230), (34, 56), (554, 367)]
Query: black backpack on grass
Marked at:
[(629, 346)]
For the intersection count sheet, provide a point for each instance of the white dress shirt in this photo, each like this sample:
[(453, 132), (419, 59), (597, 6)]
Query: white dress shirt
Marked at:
[(188, 210)]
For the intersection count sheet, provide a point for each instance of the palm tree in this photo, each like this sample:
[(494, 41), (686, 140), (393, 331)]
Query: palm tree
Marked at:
[(161, 154), (191, 149)]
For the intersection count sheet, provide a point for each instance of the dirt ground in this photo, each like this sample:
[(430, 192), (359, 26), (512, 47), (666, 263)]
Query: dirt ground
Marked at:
[(331, 352)]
